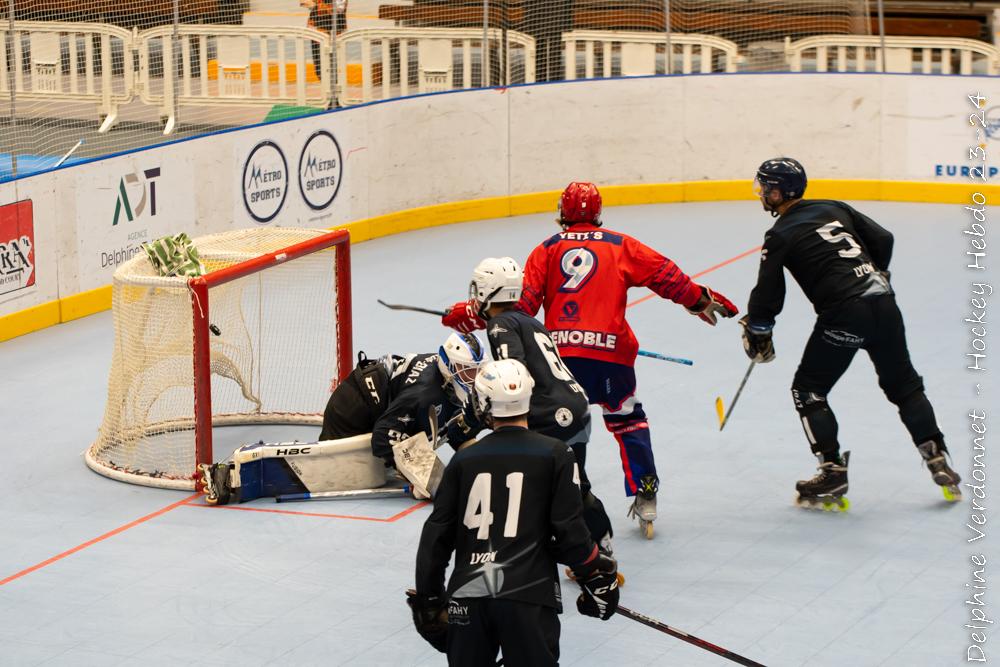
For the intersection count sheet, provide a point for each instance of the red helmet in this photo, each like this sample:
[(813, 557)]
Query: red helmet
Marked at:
[(580, 202)]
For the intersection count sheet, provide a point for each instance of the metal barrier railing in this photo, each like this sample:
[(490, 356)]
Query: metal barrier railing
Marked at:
[(605, 53), (379, 63), (52, 71), (69, 62), (233, 65), (922, 55)]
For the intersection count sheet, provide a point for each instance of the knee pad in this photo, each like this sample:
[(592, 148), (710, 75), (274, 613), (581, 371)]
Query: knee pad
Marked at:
[(818, 422)]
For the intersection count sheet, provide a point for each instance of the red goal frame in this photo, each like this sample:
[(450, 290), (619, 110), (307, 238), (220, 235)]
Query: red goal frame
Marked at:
[(201, 286)]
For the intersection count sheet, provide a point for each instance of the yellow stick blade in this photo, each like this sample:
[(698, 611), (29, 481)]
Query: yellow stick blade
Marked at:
[(720, 410)]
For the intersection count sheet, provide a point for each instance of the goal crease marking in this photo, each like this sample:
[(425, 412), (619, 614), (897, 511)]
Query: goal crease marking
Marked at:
[(391, 519)]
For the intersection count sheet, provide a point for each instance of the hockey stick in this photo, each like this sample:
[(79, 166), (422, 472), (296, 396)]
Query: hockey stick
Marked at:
[(724, 418), (690, 639), (663, 357), (416, 309), (360, 494), (432, 419), (442, 313)]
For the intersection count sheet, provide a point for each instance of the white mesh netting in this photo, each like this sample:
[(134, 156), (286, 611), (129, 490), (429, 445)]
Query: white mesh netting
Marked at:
[(119, 75), (271, 361)]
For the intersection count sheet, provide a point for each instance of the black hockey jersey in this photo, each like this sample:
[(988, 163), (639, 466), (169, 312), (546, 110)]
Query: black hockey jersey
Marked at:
[(834, 252), (509, 508), (559, 406), (394, 406), (416, 387)]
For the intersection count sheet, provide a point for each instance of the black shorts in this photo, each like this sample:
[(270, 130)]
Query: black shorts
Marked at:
[(872, 324), (347, 412), (527, 634)]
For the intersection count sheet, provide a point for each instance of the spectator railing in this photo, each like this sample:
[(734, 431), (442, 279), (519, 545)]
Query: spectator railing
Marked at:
[(53, 63), (922, 55), (380, 63), (69, 62), (219, 65), (606, 53)]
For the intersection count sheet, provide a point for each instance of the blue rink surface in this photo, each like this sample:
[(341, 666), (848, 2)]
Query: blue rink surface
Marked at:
[(733, 561)]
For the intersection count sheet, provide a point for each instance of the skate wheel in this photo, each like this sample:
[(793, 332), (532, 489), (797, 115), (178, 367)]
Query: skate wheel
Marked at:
[(824, 504), (951, 493), (647, 529), (841, 504), (621, 579)]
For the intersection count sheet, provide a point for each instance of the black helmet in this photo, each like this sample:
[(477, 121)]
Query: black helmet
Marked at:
[(783, 173)]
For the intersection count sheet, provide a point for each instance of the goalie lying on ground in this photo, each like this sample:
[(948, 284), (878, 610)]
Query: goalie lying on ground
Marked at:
[(386, 402)]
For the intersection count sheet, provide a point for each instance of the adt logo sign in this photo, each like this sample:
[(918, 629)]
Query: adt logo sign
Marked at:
[(320, 170), (265, 181), (129, 206)]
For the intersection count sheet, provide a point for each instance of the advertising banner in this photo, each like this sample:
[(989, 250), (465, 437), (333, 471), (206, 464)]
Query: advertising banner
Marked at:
[(17, 247), (124, 202), (290, 175)]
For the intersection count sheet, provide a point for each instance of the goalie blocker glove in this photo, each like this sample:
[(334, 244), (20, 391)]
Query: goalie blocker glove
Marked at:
[(598, 578), (757, 341), (712, 305), (430, 618), (463, 317)]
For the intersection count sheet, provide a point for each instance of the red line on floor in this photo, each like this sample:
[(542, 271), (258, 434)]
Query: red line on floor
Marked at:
[(187, 501), (377, 519), (702, 273), (94, 541)]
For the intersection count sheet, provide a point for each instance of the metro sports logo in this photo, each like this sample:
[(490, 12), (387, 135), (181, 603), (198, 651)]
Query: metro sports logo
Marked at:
[(265, 181), (321, 169)]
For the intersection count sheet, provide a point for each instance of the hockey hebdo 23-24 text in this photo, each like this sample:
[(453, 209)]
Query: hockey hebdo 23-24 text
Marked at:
[(978, 619)]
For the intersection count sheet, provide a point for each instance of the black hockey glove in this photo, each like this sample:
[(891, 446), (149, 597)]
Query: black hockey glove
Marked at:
[(599, 581), (430, 618), (757, 341)]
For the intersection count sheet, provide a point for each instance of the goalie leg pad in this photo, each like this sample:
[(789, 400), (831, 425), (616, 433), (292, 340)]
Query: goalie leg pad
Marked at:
[(417, 461), (273, 469)]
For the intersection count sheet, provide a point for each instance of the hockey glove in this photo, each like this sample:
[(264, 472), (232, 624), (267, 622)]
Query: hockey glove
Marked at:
[(430, 618), (463, 317), (711, 305), (599, 581), (757, 341)]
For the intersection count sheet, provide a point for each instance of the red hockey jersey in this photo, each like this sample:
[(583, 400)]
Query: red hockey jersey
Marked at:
[(582, 276)]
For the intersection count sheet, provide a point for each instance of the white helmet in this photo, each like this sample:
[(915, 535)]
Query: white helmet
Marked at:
[(503, 388), (495, 280), (459, 359)]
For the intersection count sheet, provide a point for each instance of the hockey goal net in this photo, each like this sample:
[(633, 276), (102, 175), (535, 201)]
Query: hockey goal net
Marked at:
[(255, 340)]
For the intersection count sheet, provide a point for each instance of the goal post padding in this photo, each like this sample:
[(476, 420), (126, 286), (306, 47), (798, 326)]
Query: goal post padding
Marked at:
[(256, 340)]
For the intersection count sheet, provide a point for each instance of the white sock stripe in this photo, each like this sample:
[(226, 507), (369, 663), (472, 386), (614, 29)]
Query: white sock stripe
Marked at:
[(627, 408)]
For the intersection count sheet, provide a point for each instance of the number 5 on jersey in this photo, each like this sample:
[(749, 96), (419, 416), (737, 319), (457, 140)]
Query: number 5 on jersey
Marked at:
[(829, 233), (478, 516)]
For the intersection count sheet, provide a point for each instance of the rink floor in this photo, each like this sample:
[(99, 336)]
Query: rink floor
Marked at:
[(97, 572)]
